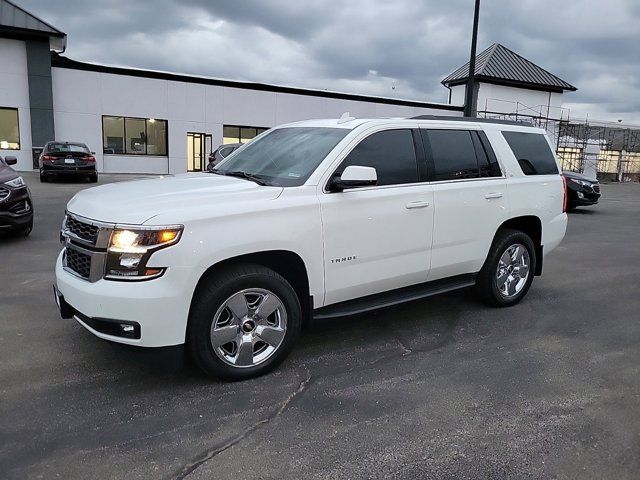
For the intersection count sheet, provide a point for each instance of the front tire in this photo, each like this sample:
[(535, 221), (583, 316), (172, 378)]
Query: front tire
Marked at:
[(508, 271), (243, 322)]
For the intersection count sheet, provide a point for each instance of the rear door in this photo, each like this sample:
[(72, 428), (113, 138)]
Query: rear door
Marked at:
[(470, 199)]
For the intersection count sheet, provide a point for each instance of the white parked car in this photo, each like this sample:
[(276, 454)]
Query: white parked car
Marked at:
[(322, 218)]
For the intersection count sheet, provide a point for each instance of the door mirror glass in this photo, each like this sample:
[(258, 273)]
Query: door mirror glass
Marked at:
[(354, 176), (11, 160)]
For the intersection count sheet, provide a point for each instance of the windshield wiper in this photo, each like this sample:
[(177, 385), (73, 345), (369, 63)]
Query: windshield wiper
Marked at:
[(247, 176)]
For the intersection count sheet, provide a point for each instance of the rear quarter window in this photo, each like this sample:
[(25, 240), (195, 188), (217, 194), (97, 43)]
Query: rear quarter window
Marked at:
[(532, 152)]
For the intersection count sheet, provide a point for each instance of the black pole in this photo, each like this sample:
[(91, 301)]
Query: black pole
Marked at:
[(469, 103)]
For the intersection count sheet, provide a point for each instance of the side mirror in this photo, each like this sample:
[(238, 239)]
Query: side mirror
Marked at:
[(11, 160), (93, 153), (354, 176)]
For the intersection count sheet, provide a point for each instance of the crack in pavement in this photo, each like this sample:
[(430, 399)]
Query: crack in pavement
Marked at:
[(208, 455)]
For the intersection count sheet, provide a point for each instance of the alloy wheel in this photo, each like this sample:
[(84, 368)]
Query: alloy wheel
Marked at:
[(249, 327), (513, 270)]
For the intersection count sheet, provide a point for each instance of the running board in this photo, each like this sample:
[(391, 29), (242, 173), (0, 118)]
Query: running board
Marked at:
[(394, 297)]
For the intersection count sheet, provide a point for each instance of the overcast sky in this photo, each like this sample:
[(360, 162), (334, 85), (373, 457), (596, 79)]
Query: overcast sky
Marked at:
[(398, 48)]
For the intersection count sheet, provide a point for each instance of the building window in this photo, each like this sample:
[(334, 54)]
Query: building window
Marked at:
[(134, 136), (236, 134), (570, 158), (608, 161), (631, 162), (9, 130)]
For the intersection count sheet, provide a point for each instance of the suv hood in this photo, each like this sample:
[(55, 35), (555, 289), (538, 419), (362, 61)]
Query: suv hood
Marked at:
[(136, 202)]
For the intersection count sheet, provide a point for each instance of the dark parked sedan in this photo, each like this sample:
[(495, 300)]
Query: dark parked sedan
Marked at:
[(67, 158), (16, 207), (581, 190)]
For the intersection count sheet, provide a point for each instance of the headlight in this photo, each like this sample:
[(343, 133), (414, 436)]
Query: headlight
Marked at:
[(580, 182), (16, 182), (130, 249)]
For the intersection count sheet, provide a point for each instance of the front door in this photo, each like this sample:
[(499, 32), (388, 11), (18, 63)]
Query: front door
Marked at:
[(198, 147), (378, 238)]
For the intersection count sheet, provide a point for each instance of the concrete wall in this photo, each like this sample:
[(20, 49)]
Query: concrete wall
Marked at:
[(81, 98), (501, 99), (14, 93)]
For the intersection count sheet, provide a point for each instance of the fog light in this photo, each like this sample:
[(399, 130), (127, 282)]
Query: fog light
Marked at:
[(580, 195), (130, 261), (128, 329)]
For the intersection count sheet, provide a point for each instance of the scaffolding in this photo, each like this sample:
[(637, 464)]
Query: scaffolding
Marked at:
[(609, 151)]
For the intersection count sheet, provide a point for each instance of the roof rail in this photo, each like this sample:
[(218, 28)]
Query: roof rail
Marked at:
[(451, 118)]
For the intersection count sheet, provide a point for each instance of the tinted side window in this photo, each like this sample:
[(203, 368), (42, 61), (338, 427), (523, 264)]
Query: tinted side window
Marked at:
[(453, 154), (487, 161), (391, 153), (532, 152)]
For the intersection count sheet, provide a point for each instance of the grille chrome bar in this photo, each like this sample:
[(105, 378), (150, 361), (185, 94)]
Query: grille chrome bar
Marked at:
[(86, 231), (82, 262)]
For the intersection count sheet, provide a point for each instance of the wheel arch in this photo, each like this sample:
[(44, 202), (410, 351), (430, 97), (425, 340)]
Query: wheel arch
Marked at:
[(531, 225), (285, 262)]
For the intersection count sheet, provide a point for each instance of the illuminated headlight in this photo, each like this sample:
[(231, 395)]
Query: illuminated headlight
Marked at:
[(16, 182), (130, 249)]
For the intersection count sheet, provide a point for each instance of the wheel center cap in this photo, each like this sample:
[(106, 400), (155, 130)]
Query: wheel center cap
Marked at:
[(248, 326)]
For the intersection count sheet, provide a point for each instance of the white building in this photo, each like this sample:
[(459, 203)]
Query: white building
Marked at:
[(142, 121), (507, 83)]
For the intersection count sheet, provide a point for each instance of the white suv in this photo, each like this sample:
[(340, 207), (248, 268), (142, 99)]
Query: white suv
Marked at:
[(322, 218)]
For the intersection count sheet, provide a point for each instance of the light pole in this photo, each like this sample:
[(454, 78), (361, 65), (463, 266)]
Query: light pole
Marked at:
[(469, 93)]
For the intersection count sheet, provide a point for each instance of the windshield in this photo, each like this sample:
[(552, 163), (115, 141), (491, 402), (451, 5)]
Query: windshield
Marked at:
[(284, 157), (67, 147)]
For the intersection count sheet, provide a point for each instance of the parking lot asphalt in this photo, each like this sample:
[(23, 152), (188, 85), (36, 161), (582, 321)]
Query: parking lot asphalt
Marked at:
[(440, 388)]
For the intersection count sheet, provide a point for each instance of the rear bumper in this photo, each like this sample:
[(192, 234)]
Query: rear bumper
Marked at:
[(553, 232), (157, 309), (67, 169)]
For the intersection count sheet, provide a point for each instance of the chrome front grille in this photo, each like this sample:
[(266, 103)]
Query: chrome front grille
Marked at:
[(85, 245), (4, 193), (83, 230), (78, 262)]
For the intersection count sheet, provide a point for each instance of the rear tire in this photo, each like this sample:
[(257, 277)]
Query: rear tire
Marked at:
[(93, 178), (228, 337), (43, 178), (508, 271)]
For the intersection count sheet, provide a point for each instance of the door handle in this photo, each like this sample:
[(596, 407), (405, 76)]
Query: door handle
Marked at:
[(417, 205), (489, 196)]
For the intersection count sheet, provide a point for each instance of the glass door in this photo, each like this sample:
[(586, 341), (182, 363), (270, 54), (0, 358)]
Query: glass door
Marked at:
[(195, 151)]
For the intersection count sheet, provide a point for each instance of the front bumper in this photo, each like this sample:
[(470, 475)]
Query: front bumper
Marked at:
[(158, 309), (17, 209), (581, 195)]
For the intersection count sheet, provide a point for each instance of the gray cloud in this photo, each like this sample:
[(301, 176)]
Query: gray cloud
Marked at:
[(363, 46)]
